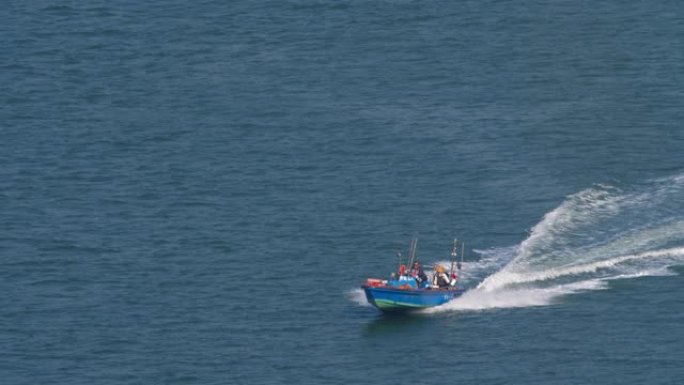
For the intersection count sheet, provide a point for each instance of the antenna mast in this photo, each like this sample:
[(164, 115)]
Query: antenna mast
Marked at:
[(454, 254)]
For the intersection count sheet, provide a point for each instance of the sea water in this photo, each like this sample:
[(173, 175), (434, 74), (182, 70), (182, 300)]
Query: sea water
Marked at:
[(193, 192)]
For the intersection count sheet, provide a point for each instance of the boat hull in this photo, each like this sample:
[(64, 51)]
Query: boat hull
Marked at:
[(389, 299)]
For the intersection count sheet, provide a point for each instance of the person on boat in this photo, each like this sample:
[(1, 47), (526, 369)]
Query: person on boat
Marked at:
[(440, 279), (418, 273)]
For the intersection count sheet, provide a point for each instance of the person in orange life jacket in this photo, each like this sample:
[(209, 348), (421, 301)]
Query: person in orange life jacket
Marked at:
[(440, 279), (418, 273)]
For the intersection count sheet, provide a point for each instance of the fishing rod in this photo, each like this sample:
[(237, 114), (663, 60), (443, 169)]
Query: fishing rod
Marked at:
[(462, 254), (454, 254), (412, 253)]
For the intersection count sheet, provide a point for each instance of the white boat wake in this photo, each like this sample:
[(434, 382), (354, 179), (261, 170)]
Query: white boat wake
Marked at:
[(595, 236)]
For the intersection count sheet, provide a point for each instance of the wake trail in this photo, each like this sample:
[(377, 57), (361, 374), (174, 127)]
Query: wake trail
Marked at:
[(595, 236)]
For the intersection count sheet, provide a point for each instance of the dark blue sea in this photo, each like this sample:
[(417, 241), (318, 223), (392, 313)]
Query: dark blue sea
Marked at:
[(193, 192)]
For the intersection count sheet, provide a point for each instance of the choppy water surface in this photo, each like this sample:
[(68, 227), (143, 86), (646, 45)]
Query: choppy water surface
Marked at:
[(193, 192)]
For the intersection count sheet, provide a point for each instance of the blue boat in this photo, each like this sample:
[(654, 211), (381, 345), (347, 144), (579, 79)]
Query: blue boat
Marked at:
[(394, 299), (404, 292)]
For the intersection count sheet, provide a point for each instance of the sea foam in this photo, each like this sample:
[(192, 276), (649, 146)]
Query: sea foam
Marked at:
[(595, 236)]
